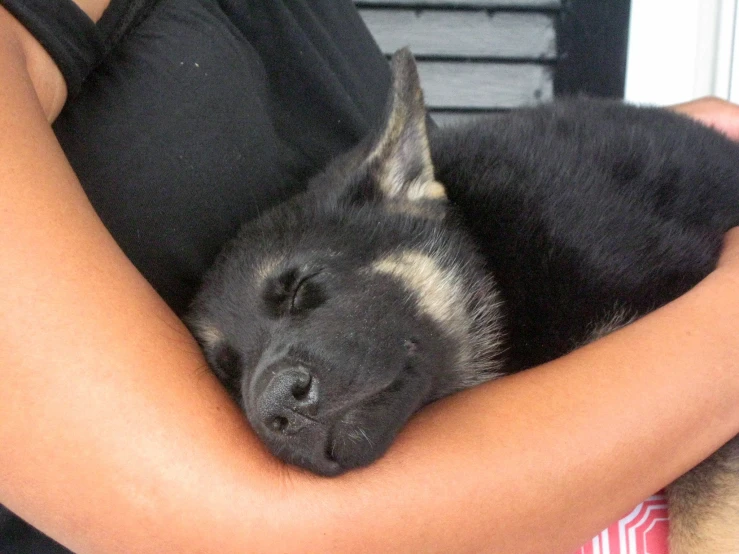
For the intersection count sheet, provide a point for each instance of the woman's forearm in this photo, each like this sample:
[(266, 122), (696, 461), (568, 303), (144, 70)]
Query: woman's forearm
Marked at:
[(114, 437)]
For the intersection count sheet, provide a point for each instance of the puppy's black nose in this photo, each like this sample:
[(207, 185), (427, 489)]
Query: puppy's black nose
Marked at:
[(289, 401)]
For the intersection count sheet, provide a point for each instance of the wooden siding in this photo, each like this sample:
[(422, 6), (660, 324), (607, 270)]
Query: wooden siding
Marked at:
[(443, 118), (454, 33), (484, 86), (474, 56), (515, 4)]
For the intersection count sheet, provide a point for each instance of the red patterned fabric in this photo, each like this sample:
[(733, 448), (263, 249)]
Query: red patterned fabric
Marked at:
[(643, 531)]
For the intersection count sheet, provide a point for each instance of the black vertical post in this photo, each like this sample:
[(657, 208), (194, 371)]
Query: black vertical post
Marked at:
[(592, 40)]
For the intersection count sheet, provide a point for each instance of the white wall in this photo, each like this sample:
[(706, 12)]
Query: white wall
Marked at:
[(682, 49)]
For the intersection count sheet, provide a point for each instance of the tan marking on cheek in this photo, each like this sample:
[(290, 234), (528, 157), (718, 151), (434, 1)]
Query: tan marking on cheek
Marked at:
[(209, 334), (471, 322), (436, 289)]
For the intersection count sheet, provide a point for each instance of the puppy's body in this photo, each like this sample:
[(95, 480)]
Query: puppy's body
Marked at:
[(588, 214), (417, 266)]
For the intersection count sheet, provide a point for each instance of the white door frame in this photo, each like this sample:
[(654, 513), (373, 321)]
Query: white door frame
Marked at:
[(682, 49)]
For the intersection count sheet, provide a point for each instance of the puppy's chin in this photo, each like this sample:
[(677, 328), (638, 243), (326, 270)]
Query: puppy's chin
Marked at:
[(320, 465), (353, 445), (308, 448)]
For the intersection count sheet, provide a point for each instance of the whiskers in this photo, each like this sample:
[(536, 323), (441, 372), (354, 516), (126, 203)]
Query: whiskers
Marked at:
[(364, 434)]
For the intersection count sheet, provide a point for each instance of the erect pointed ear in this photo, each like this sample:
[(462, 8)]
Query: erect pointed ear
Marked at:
[(399, 159), (393, 164)]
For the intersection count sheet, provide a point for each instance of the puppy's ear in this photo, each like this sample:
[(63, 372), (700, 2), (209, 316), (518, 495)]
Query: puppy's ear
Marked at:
[(400, 160), (393, 164)]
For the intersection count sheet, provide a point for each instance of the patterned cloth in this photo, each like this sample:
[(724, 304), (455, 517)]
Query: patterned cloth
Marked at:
[(643, 531)]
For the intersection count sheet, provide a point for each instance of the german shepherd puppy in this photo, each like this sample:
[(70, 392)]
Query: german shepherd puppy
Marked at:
[(415, 266)]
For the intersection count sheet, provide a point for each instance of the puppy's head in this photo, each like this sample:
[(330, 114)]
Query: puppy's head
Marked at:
[(335, 316)]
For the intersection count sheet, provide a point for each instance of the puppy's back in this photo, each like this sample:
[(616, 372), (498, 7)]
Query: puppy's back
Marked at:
[(589, 212)]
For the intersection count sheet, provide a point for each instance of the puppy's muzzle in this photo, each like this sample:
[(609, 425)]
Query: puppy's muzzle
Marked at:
[(288, 400), (285, 402)]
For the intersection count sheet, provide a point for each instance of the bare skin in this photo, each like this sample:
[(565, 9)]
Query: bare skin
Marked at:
[(714, 112), (115, 437)]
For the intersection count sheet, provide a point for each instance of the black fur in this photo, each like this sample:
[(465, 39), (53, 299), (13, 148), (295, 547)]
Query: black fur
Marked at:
[(558, 218), (584, 208)]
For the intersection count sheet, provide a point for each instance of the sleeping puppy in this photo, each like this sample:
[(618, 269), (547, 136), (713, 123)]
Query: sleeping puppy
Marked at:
[(415, 266)]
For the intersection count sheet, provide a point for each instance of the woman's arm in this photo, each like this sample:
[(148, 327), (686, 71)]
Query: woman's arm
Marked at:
[(115, 438), (714, 112)]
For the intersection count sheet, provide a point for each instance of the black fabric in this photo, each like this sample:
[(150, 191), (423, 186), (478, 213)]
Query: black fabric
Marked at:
[(201, 115), (208, 113), (120, 17)]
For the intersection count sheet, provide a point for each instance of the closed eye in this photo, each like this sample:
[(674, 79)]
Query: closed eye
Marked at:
[(291, 294), (298, 291), (307, 295)]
